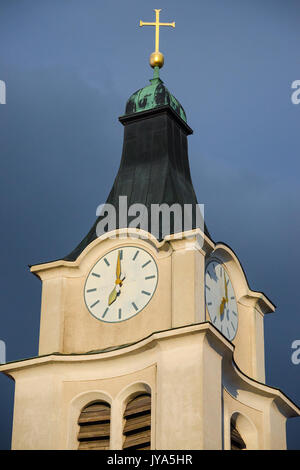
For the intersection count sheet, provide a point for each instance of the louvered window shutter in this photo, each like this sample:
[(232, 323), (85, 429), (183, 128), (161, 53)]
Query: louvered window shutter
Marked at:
[(94, 432), (137, 423), (237, 443)]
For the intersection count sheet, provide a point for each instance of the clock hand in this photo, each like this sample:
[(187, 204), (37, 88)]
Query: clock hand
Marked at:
[(116, 290), (112, 296), (222, 306), (118, 270), (226, 290)]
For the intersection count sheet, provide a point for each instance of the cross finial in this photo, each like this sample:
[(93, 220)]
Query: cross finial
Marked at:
[(157, 58)]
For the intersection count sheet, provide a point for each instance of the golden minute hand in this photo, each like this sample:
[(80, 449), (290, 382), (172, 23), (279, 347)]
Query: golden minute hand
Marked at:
[(114, 293), (118, 270), (226, 290)]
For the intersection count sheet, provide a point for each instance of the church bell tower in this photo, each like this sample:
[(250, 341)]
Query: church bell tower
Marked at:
[(150, 336)]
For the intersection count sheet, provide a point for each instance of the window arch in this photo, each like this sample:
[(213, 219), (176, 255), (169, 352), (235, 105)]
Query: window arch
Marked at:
[(137, 423), (236, 440), (94, 426), (243, 433)]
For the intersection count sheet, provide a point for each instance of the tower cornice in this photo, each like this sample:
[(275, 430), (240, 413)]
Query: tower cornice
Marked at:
[(134, 117)]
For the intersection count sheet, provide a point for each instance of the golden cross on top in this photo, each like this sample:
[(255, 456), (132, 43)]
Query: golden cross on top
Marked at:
[(157, 58)]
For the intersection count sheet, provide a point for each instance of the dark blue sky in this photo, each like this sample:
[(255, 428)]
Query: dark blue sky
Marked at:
[(70, 66)]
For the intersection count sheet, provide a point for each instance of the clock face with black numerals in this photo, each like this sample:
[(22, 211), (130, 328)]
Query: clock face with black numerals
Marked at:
[(121, 284), (220, 299)]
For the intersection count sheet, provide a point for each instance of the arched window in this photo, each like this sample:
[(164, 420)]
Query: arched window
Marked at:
[(236, 440), (243, 433), (137, 423), (94, 422)]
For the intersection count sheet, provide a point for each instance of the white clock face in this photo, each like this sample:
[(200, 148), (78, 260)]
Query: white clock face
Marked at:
[(120, 284), (220, 299)]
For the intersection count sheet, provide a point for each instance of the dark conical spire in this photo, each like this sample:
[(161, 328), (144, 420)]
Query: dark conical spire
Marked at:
[(154, 167)]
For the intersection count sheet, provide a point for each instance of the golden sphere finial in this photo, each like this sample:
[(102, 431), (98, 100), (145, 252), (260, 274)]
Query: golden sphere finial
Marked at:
[(157, 59)]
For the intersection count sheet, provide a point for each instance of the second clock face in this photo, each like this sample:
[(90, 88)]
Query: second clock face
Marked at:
[(220, 299), (121, 284)]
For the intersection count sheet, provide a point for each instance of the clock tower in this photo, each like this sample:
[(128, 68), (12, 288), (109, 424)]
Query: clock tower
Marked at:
[(150, 336)]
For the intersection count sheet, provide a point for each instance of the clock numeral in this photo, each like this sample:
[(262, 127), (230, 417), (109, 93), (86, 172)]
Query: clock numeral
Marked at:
[(135, 256), (146, 264), (120, 313), (149, 277), (106, 262), (135, 307), (96, 275), (95, 303), (145, 292), (105, 312)]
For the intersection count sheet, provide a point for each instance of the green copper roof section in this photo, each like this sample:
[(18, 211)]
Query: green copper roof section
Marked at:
[(153, 96)]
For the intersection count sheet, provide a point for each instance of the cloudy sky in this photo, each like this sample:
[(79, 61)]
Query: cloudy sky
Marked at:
[(69, 67)]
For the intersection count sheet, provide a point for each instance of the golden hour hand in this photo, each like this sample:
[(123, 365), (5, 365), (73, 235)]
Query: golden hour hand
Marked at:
[(222, 306), (118, 282), (112, 296)]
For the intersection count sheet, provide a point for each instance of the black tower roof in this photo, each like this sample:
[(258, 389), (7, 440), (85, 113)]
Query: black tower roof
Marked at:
[(154, 166)]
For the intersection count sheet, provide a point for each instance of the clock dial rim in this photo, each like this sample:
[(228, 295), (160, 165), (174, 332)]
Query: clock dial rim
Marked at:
[(121, 247), (221, 263)]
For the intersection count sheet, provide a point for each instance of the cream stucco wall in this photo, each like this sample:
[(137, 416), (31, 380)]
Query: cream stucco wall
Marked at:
[(198, 380), (67, 326), (195, 389)]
